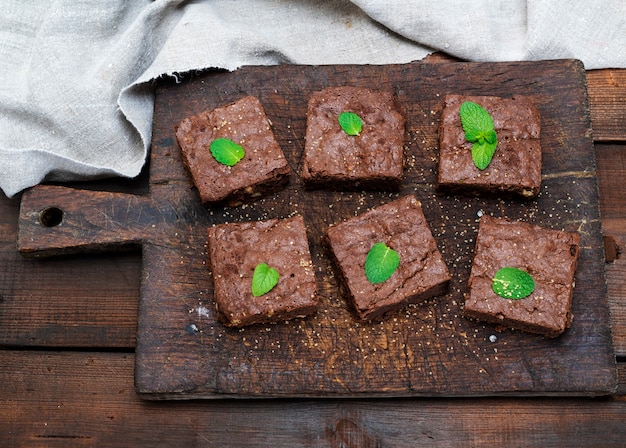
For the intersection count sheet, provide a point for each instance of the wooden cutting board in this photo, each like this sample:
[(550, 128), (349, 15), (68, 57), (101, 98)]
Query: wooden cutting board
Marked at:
[(422, 350)]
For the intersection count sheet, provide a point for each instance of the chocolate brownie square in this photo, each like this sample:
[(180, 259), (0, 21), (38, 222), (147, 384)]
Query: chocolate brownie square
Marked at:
[(235, 250), (262, 170), (400, 225), (373, 159), (516, 165), (549, 256)]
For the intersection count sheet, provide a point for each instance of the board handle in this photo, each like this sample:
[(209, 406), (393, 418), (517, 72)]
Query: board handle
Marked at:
[(56, 220)]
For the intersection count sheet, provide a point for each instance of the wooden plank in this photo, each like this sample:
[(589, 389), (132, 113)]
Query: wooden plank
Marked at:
[(607, 96), (87, 399), (183, 352), (398, 348), (69, 302), (611, 162), (621, 372), (616, 277), (82, 301)]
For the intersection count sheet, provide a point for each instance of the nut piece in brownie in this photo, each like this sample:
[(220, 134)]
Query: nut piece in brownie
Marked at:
[(516, 164), (371, 157), (402, 227), (549, 256), (262, 170), (235, 250)]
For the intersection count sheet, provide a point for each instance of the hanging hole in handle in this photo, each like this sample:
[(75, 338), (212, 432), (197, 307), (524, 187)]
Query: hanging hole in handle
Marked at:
[(51, 216)]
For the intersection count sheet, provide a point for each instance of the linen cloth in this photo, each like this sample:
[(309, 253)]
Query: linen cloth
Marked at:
[(77, 77)]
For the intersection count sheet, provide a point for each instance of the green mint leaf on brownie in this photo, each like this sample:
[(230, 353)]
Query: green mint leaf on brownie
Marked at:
[(351, 123), (264, 279), (474, 118), (381, 263), (512, 283), (491, 137), (482, 153), (226, 151), (479, 130)]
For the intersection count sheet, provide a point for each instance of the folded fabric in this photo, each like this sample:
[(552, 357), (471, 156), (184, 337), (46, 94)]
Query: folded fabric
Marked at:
[(76, 78), (62, 67)]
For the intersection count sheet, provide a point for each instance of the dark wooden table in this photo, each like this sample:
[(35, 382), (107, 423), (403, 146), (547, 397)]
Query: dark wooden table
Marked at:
[(67, 341)]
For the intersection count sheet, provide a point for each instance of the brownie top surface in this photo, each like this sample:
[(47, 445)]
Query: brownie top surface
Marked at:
[(401, 225), (377, 150), (235, 249), (243, 122), (549, 256), (517, 160)]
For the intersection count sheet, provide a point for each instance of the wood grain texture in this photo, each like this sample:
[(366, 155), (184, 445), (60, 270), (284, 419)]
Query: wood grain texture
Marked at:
[(429, 349), (611, 162), (79, 301), (87, 399), (426, 349), (607, 96)]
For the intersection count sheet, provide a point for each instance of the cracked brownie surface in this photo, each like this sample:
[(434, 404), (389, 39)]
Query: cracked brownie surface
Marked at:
[(549, 256), (401, 225)]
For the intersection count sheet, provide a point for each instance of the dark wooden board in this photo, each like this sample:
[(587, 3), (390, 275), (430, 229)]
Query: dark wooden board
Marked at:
[(60, 399), (427, 349)]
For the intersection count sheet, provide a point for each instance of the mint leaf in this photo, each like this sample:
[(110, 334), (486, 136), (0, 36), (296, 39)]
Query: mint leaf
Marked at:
[(264, 279), (491, 136), (473, 135), (381, 263), (226, 151), (351, 123), (512, 283), (482, 153), (478, 127), (475, 118)]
